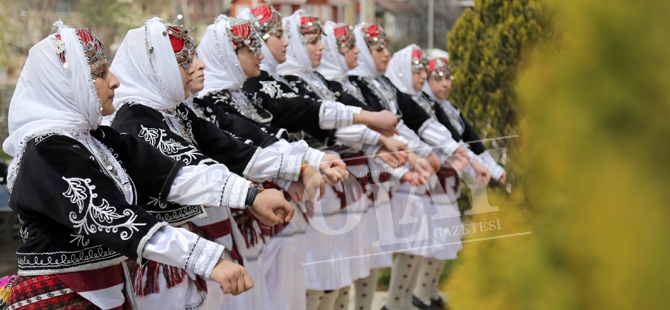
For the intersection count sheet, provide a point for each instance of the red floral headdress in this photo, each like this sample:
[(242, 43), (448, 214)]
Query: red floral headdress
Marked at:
[(94, 50), (241, 34), (310, 25), (344, 36), (439, 67), (374, 35), (419, 60), (265, 20), (182, 43)]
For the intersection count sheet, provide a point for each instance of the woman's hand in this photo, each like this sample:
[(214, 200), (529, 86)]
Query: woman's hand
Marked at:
[(334, 169), (414, 178), (296, 190), (395, 148), (421, 165), (232, 277), (383, 122), (434, 161), (459, 160), (271, 208), (483, 176), (312, 181), (503, 178)]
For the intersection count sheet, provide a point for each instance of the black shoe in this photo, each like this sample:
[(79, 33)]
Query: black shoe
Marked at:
[(419, 304), (438, 304), (384, 308)]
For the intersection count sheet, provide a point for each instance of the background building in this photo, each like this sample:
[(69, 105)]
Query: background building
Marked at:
[(344, 11), (25, 22)]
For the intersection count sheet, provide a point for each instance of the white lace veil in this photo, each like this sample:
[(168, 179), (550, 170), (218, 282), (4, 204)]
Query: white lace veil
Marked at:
[(52, 97), (147, 68), (399, 71), (222, 67)]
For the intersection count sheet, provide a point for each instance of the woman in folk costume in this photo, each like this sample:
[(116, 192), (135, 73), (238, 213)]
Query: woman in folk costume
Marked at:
[(149, 62), (367, 79), (303, 55), (226, 50), (309, 113), (272, 94), (427, 205), (234, 125), (289, 110), (339, 56), (436, 91), (285, 243), (270, 263), (78, 238), (230, 53), (296, 113)]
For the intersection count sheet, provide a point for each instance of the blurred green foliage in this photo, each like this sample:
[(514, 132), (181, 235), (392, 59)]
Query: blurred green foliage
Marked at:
[(485, 49), (592, 124)]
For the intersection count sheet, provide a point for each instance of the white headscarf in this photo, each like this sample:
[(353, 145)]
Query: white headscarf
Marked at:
[(366, 64), (399, 71), (147, 68), (333, 65), (222, 67), (269, 63), (297, 59), (51, 96)]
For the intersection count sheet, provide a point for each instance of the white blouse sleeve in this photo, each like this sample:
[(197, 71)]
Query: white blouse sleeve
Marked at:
[(496, 170), (435, 134), (333, 114), (270, 163), (293, 154), (314, 157), (209, 185), (414, 143), (181, 248), (356, 136)]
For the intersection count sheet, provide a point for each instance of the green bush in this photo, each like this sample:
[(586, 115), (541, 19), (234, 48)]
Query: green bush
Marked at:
[(485, 49), (593, 128)]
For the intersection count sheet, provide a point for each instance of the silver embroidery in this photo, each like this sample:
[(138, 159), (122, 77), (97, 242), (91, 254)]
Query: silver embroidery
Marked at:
[(351, 88), (70, 260), (153, 201), (386, 93), (241, 104), (23, 232), (81, 240), (185, 126), (39, 139), (169, 147), (273, 89), (314, 84), (101, 217)]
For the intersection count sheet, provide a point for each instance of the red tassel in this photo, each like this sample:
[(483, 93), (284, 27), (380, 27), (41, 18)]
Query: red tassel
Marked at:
[(145, 281), (173, 275), (245, 220)]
